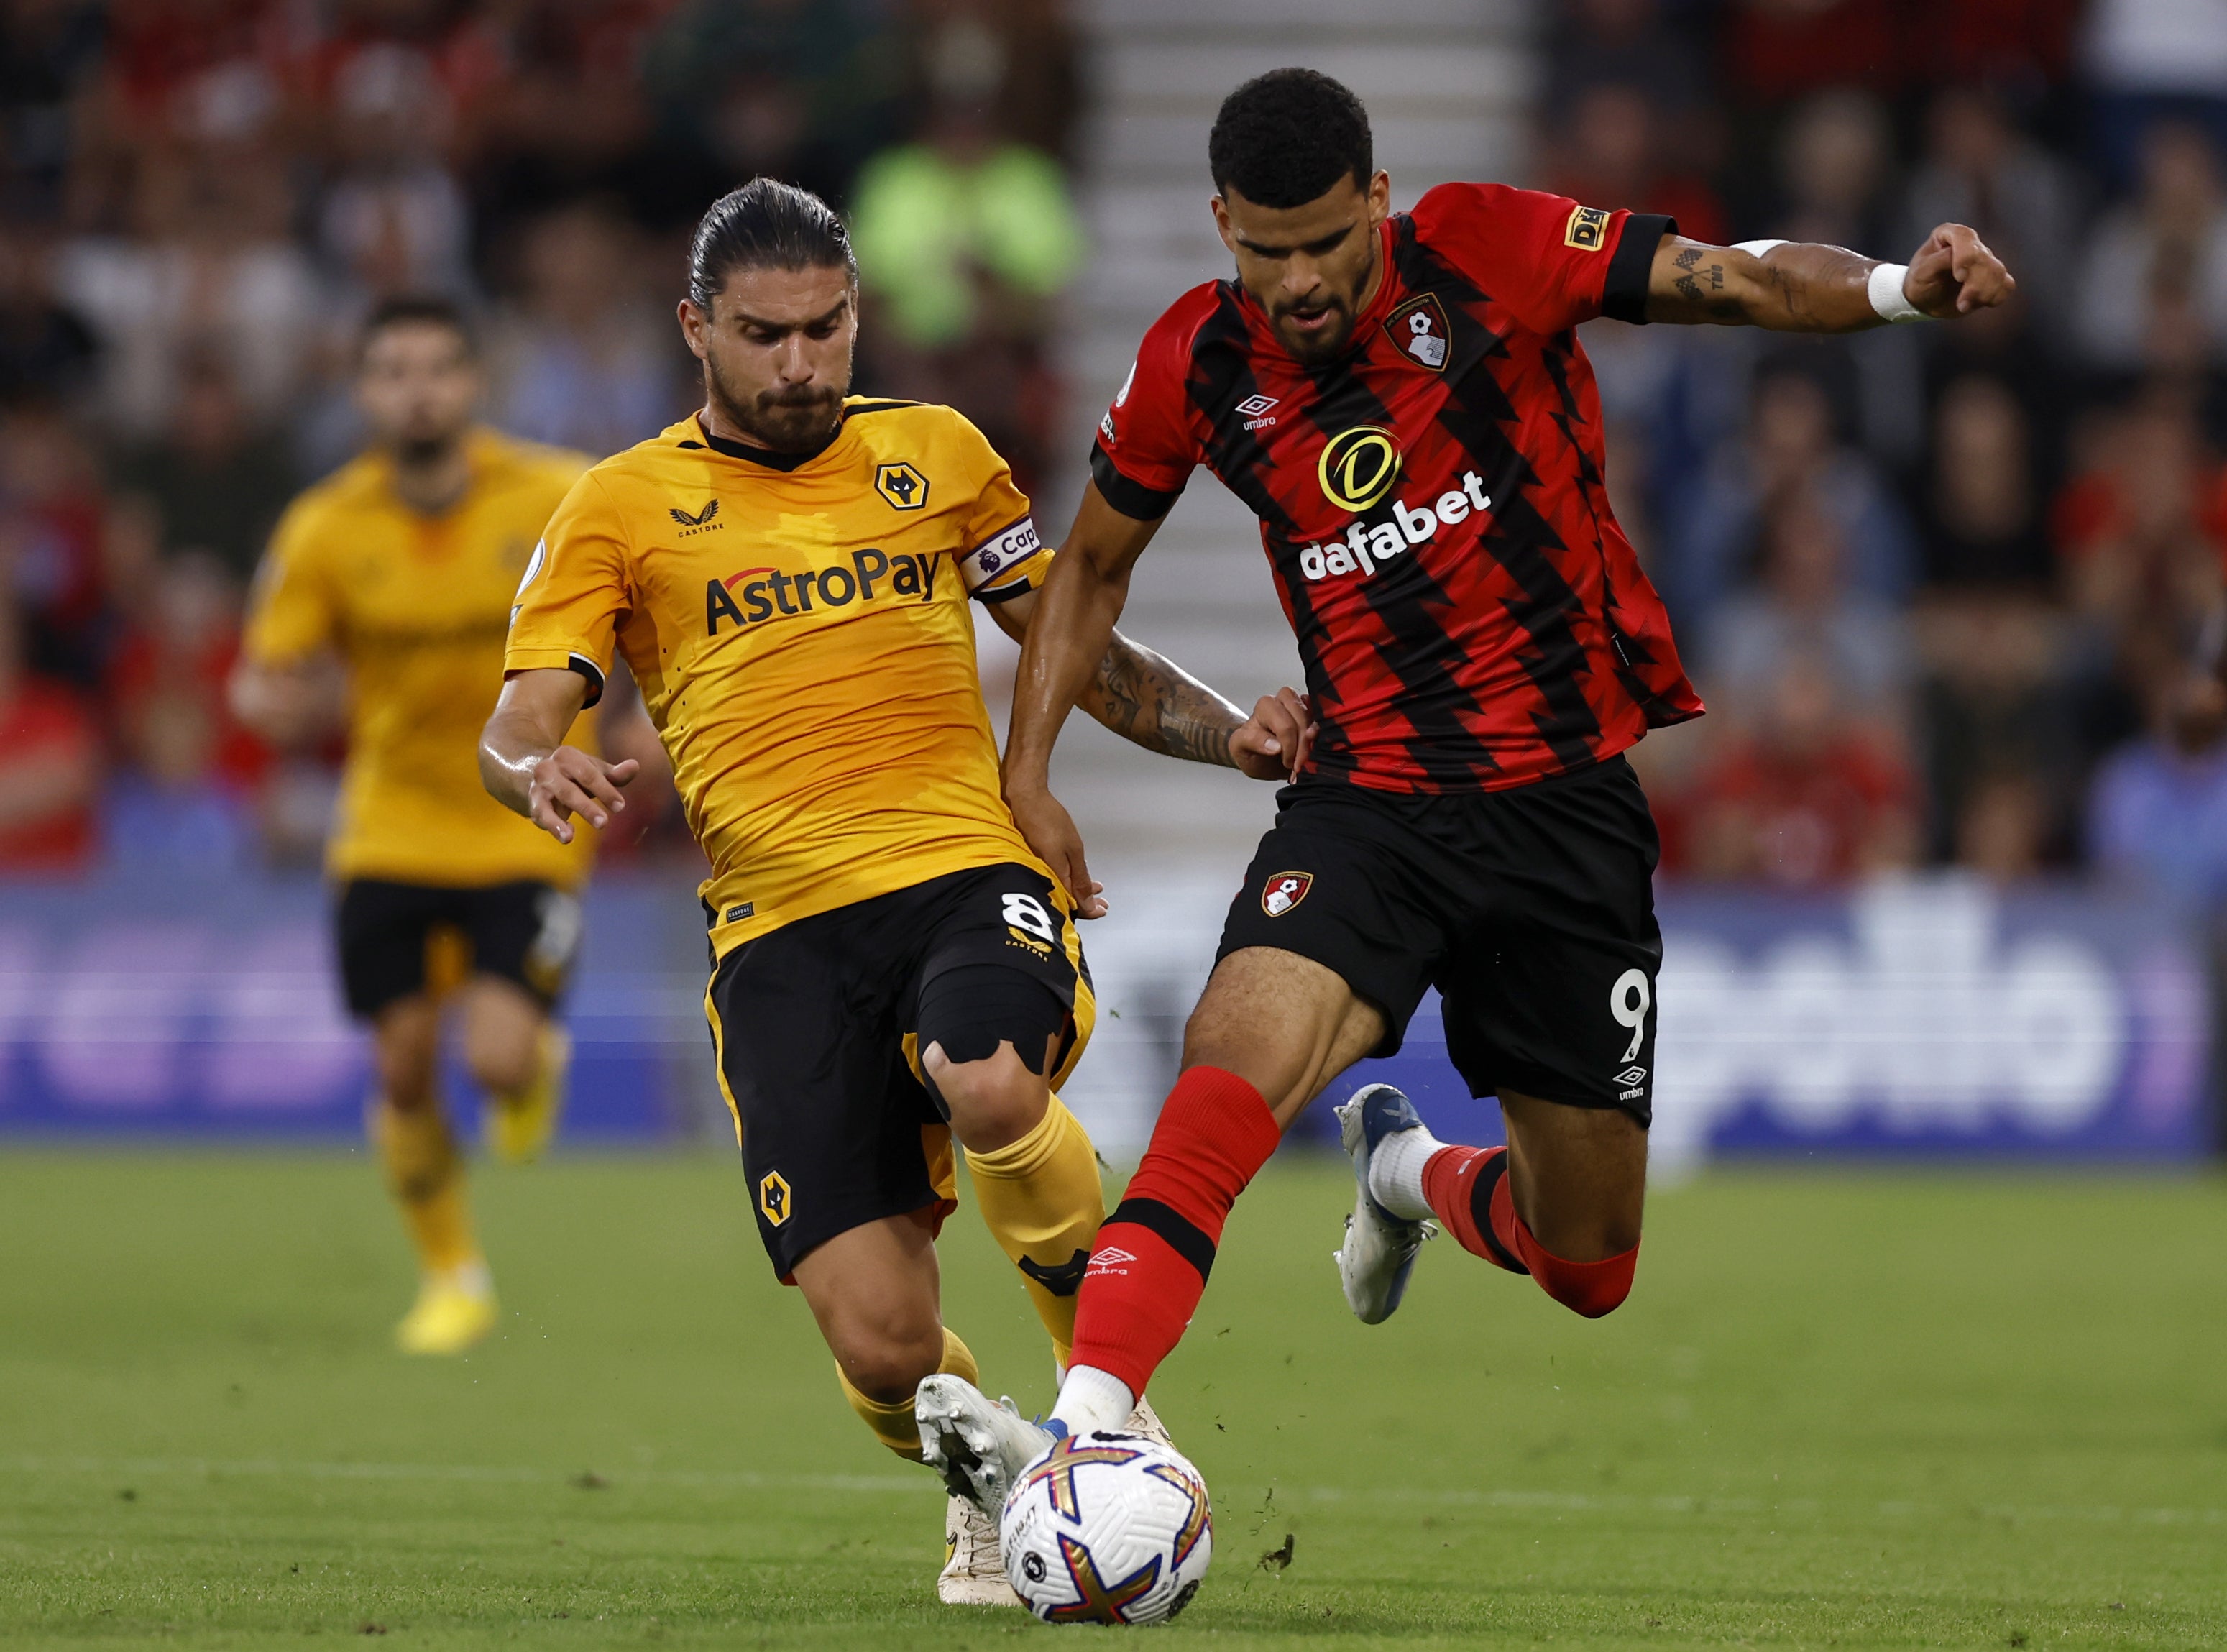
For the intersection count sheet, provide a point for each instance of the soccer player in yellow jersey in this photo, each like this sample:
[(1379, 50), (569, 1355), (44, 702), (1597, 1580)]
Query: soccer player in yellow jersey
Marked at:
[(401, 566), (787, 572)]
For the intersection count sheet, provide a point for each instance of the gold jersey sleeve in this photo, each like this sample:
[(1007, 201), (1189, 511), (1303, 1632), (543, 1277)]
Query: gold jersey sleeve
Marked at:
[(416, 607), (803, 641)]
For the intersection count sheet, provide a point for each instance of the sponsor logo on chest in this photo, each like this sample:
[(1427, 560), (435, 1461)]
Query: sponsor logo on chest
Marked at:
[(755, 597), (1364, 549)]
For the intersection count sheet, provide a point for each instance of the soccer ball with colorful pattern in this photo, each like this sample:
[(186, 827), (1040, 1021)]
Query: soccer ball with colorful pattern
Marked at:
[(1108, 1528)]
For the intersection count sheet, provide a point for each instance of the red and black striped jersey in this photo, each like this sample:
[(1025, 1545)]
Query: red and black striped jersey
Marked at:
[(1432, 503)]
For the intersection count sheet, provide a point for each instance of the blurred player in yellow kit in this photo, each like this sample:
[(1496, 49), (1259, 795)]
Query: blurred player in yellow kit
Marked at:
[(400, 569), (788, 573)]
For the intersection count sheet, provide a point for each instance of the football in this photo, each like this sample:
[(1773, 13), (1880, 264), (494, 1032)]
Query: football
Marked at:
[(1108, 1528)]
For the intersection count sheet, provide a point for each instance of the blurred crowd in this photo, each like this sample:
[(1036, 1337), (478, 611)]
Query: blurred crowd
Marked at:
[(1952, 591), (199, 199)]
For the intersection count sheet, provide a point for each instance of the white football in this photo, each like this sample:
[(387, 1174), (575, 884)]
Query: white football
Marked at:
[(1108, 1528)]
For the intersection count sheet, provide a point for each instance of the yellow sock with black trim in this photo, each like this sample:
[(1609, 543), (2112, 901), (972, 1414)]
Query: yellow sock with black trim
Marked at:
[(893, 1423), (1042, 1201), (426, 1177)]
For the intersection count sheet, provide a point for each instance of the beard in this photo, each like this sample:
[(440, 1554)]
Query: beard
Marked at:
[(419, 451), (780, 421), (1329, 340), (1339, 310)]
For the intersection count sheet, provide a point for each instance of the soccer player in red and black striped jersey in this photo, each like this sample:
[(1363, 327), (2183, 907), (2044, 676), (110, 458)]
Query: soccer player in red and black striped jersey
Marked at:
[(1401, 400)]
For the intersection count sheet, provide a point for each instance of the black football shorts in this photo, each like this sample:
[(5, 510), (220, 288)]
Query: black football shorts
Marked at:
[(526, 931), (1532, 910), (818, 1028)]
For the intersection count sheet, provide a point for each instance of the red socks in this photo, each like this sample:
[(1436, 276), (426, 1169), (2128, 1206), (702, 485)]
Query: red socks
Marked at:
[(1468, 1190), (1155, 1251)]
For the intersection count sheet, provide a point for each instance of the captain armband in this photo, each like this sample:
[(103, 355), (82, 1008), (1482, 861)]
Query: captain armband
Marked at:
[(988, 569)]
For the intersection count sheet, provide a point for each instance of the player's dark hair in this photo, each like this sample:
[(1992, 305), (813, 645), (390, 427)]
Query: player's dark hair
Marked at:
[(1285, 138), (765, 225), (418, 310)]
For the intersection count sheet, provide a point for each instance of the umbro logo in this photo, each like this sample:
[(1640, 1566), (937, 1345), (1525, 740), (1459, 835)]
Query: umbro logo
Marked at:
[(1629, 1075), (1255, 409), (701, 521), (1112, 1255)]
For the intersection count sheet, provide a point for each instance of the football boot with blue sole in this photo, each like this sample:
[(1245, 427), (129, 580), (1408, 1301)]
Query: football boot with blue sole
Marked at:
[(1380, 1249)]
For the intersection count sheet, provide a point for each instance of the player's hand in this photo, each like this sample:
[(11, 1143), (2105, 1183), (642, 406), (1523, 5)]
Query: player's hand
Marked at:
[(568, 781), (1954, 274), (1273, 743), (1049, 830)]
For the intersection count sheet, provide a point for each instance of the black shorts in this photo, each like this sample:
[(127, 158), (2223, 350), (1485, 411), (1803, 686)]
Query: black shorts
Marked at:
[(1532, 911), (818, 1029), (527, 932)]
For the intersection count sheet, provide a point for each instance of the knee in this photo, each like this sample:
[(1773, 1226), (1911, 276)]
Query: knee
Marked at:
[(888, 1364), (502, 1059), (993, 1102), (1591, 1289)]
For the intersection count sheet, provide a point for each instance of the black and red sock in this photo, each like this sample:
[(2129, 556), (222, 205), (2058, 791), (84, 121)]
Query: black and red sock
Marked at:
[(1155, 1251), (1468, 1191)]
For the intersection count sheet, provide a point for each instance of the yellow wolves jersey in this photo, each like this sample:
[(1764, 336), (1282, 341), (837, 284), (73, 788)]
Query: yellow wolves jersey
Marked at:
[(417, 607), (800, 633)]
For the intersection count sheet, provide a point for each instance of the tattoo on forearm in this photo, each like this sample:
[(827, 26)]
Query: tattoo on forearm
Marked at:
[(1702, 288), (1144, 698)]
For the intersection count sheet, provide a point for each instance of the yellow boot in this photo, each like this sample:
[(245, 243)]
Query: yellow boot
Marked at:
[(453, 1309)]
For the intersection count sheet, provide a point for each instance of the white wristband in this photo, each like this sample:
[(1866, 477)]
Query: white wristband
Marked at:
[(1885, 288), (1755, 249)]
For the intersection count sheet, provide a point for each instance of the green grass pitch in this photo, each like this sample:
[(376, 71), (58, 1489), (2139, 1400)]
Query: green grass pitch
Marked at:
[(1853, 1411)]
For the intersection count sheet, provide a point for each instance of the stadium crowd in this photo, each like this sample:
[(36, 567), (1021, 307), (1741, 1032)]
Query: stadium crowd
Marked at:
[(1943, 587), (199, 199)]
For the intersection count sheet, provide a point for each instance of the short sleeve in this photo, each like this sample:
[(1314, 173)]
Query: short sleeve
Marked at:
[(1003, 555), (1550, 260), (576, 591), (1146, 449), (293, 610)]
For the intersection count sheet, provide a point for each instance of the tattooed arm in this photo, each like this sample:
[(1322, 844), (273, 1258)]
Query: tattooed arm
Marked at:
[(1070, 655), (1147, 698), (1805, 287)]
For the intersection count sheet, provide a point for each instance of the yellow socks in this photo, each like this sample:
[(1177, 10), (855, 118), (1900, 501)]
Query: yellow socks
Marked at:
[(1042, 1201), (427, 1179), (893, 1424)]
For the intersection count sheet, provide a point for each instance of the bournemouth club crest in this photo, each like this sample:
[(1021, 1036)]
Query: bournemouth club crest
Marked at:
[(1419, 327), (1285, 891)]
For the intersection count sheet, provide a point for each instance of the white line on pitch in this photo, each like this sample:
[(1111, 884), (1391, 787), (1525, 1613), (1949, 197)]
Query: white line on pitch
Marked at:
[(1565, 1501)]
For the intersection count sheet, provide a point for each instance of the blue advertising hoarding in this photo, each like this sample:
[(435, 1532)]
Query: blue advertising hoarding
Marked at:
[(177, 1007), (1931, 1018)]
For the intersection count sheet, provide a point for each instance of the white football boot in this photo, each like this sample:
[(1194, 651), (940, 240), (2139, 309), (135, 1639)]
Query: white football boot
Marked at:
[(979, 1448), (974, 1565), (1380, 1249)]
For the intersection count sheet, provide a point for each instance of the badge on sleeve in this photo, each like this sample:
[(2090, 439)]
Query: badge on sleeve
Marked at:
[(1588, 228)]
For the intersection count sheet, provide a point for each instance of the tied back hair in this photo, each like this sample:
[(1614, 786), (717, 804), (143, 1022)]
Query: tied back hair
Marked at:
[(765, 225)]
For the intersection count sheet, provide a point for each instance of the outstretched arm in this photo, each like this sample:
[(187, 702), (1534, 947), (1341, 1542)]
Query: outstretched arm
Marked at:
[(1148, 699), (1807, 287), (528, 769), (1070, 655)]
